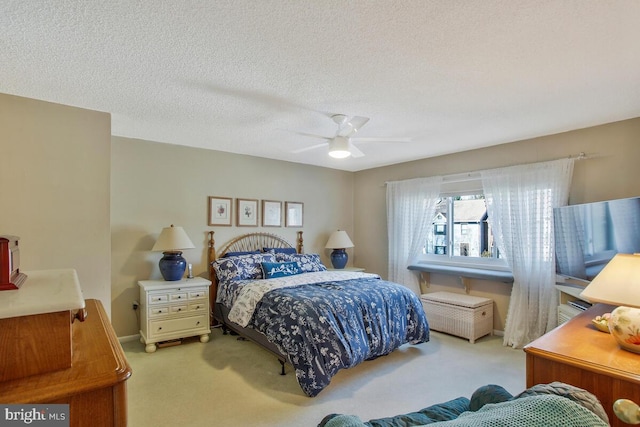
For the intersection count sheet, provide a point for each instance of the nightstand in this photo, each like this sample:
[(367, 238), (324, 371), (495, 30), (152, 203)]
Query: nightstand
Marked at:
[(578, 354), (173, 310)]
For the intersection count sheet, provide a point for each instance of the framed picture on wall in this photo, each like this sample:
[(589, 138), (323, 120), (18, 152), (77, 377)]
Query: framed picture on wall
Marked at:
[(219, 210), (246, 212), (271, 213), (293, 212)]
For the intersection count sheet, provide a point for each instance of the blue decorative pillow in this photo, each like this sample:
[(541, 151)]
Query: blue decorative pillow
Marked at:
[(225, 269), (280, 250), (242, 267), (250, 266), (271, 270), (239, 253), (308, 262)]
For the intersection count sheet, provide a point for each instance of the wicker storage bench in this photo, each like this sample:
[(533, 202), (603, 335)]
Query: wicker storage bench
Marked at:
[(461, 315)]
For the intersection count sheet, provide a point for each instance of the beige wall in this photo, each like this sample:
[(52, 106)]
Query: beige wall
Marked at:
[(155, 185), (54, 186), (54, 183), (611, 171)]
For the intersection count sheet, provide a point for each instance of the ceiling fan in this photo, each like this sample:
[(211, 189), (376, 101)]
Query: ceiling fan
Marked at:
[(341, 145)]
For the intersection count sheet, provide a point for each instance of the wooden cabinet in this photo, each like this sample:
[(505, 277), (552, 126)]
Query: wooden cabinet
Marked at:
[(173, 310), (94, 386), (577, 353), (38, 316)]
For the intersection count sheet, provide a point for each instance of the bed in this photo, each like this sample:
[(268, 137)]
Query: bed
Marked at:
[(319, 321)]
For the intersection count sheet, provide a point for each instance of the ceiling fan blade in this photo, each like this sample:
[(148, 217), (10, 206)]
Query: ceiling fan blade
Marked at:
[(312, 135), (357, 122), (313, 147), (363, 140), (355, 151)]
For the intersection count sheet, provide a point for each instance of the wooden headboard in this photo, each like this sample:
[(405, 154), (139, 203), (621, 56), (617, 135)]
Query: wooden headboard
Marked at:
[(245, 243)]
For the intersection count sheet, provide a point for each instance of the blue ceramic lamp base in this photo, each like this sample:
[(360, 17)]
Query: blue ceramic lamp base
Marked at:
[(339, 258), (172, 266)]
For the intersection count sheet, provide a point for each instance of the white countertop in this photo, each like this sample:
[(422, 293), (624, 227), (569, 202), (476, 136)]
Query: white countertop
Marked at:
[(44, 291)]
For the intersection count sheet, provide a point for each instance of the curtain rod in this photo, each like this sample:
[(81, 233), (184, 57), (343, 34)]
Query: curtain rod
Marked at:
[(472, 176)]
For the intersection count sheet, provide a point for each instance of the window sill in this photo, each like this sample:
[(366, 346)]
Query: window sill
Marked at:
[(462, 272)]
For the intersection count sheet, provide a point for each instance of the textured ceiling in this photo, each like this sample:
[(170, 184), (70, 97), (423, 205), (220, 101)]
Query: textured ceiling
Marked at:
[(247, 76)]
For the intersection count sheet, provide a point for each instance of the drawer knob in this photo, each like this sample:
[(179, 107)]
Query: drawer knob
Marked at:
[(80, 315)]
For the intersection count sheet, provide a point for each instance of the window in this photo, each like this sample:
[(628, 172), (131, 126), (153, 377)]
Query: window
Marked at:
[(461, 233)]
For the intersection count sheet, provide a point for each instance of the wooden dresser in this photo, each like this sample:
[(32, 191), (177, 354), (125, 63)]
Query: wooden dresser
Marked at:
[(577, 353), (95, 384)]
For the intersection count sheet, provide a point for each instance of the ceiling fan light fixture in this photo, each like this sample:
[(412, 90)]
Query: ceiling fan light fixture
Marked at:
[(339, 148)]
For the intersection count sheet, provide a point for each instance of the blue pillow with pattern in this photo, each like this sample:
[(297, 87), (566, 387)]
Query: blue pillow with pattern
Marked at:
[(308, 262), (239, 253), (250, 266), (271, 270), (280, 250), (226, 270), (241, 267)]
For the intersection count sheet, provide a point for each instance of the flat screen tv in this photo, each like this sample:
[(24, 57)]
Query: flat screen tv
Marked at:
[(588, 235)]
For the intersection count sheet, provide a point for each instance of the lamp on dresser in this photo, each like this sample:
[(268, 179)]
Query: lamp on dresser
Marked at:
[(171, 242), (339, 241)]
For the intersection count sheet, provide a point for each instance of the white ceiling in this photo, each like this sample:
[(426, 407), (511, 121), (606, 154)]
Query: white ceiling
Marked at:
[(245, 76)]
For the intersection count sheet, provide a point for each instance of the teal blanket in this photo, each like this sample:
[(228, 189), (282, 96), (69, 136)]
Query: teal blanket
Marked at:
[(544, 405), (532, 411)]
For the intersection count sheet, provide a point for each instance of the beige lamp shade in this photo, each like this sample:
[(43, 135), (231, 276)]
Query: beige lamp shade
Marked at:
[(618, 283), (339, 240), (172, 239)]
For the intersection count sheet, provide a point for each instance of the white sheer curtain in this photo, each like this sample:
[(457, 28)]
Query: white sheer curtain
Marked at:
[(520, 202), (411, 205)]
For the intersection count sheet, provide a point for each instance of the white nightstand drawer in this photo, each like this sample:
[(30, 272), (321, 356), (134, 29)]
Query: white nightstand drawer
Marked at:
[(158, 311), (197, 294), (158, 298), (178, 296), (202, 306), (175, 309), (192, 324)]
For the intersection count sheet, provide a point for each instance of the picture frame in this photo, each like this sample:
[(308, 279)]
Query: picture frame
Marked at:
[(271, 213), (294, 214), (220, 211), (246, 212)]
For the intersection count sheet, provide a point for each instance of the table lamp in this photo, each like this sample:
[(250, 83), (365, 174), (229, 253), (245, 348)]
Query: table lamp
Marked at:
[(171, 242), (339, 241), (619, 284)]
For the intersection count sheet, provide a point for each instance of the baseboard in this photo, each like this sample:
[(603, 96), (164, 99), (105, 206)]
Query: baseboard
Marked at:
[(498, 333), (129, 338)]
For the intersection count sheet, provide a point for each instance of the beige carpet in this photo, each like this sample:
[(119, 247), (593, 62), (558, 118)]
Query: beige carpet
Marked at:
[(227, 382)]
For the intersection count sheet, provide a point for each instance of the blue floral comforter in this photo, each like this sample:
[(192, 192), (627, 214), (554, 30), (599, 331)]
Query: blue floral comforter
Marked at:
[(327, 326)]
